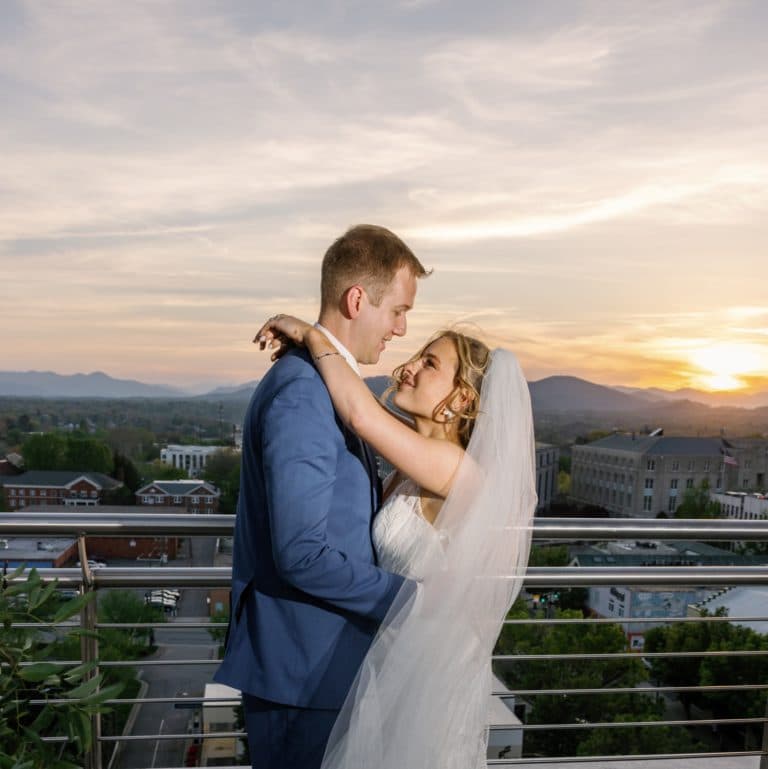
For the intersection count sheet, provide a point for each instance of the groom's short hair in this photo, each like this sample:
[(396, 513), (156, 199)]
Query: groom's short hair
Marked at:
[(367, 255)]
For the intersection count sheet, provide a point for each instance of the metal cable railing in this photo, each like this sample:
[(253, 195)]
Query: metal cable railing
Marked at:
[(82, 525)]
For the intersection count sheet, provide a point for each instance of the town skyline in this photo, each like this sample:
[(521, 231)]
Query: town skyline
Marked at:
[(588, 182)]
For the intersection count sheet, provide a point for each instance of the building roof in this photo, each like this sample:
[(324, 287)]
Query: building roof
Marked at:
[(741, 601), (661, 445), (179, 488), (8, 468), (60, 479), (669, 553), (33, 550)]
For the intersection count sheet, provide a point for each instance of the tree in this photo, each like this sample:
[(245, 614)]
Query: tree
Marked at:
[(223, 470), (557, 555), (697, 503), (126, 606), (158, 471), (581, 674), (126, 472), (44, 452), (88, 454), (22, 724), (53, 451), (704, 671)]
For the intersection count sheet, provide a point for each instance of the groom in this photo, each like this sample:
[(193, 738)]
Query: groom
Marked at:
[(307, 596)]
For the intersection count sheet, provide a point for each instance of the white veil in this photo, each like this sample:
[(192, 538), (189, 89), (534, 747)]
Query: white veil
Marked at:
[(421, 696)]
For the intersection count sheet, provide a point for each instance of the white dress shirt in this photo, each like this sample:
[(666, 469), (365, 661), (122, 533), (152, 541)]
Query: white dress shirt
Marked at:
[(345, 353)]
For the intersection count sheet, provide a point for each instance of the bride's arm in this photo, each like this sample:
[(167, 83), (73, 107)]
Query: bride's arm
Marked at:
[(429, 462)]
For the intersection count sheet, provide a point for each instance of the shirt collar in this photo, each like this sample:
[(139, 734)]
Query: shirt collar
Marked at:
[(345, 353)]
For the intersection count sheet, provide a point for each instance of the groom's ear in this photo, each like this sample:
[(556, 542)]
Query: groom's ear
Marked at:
[(352, 301)]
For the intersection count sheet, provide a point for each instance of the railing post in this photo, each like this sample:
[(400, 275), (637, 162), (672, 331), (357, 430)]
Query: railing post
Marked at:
[(764, 749), (89, 652)]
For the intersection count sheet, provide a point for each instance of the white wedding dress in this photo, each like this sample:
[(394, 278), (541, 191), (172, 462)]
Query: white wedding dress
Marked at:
[(420, 698), (405, 541)]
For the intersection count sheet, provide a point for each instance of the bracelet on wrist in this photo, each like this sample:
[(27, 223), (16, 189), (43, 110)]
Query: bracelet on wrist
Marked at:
[(325, 355)]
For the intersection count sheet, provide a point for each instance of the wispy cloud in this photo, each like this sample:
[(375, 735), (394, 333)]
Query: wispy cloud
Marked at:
[(589, 182)]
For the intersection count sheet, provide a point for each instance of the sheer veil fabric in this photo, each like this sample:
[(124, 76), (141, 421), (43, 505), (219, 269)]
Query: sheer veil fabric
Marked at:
[(420, 699)]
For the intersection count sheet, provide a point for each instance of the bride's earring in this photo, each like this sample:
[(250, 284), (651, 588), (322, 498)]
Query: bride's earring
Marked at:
[(448, 414)]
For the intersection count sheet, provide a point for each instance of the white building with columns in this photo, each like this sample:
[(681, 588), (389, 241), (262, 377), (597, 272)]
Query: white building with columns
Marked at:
[(190, 459)]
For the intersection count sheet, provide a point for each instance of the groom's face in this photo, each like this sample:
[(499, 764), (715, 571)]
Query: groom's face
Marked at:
[(375, 326)]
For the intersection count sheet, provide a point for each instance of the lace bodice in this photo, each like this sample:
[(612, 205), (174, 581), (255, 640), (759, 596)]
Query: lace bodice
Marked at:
[(406, 543)]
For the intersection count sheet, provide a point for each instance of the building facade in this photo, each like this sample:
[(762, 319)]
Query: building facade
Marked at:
[(189, 459), (56, 487), (547, 468), (740, 505), (152, 549), (642, 477), (750, 473), (192, 496), (626, 602)]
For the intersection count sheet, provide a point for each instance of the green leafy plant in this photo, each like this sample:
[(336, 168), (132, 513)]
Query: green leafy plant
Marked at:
[(40, 698)]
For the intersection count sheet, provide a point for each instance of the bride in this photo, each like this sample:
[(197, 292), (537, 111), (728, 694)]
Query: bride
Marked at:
[(456, 518)]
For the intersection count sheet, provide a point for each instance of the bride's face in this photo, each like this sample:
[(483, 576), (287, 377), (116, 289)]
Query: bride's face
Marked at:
[(428, 380)]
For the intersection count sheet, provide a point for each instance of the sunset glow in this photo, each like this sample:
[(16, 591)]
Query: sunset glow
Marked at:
[(725, 366), (589, 182)]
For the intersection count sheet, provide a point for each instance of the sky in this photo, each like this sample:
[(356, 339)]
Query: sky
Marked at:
[(588, 180)]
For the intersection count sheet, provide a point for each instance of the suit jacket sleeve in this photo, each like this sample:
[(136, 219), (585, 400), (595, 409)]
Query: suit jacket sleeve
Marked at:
[(299, 461)]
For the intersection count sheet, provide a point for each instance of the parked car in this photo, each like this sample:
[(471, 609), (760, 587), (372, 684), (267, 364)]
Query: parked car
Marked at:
[(93, 564), (163, 599)]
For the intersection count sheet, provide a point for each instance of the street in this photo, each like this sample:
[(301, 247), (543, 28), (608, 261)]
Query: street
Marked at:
[(172, 680)]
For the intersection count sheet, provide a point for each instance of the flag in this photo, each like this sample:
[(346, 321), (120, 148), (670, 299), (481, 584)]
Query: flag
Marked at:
[(729, 460)]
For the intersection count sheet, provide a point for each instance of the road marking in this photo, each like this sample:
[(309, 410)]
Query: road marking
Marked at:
[(157, 744)]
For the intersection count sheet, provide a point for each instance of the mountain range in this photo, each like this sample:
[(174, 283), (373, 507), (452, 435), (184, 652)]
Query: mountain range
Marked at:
[(47, 384), (555, 393)]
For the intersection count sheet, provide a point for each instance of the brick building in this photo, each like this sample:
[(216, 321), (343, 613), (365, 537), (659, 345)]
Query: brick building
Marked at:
[(56, 487), (151, 549), (193, 496)]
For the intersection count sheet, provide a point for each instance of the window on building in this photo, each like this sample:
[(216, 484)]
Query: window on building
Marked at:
[(647, 503), (689, 483), (673, 483), (651, 464), (649, 483), (706, 465), (611, 606), (747, 464), (672, 504), (195, 500), (177, 500), (745, 483), (675, 465)]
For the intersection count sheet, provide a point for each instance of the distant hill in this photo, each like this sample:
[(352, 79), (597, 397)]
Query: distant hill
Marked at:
[(552, 394), (729, 399), (243, 392), (234, 393), (46, 384), (568, 393)]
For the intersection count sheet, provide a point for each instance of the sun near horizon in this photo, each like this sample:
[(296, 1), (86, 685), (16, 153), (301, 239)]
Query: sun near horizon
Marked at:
[(727, 367)]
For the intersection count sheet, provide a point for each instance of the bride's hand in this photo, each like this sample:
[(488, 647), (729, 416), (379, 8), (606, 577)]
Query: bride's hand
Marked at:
[(280, 332)]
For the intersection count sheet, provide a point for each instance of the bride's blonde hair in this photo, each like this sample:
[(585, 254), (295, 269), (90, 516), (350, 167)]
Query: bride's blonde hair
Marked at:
[(474, 357)]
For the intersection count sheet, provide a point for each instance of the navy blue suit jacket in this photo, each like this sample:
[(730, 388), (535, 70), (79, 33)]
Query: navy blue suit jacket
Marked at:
[(307, 596)]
